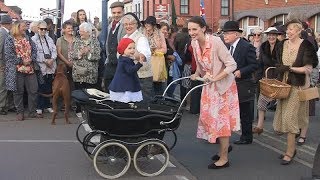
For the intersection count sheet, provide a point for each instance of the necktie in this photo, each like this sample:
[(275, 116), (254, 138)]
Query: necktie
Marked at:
[(231, 50), (114, 23)]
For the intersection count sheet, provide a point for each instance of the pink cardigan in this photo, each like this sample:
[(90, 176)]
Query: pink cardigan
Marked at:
[(221, 60)]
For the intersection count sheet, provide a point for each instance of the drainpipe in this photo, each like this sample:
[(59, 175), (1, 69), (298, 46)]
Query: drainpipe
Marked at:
[(232, 7)]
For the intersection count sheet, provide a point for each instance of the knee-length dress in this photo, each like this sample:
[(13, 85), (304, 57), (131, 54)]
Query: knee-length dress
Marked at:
[(219, 113), (291, 114)]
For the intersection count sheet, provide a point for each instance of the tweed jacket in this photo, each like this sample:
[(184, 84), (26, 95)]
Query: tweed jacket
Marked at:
[(306, 56), (121, 33)]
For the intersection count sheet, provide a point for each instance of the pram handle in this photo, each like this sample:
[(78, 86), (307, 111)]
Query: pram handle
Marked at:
[(185, 97), (179, 79)]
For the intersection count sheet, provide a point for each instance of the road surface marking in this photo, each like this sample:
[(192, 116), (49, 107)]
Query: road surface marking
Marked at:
[(181, 177), (37, 141), (281, 152)]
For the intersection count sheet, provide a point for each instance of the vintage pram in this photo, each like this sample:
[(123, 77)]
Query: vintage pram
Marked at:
[(123, 132)]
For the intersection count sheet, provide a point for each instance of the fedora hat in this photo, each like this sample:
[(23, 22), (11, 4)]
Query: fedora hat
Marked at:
[(5, 19), (151, 20), (231, 26)]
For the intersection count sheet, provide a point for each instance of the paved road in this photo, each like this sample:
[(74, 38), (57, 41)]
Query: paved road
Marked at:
[(34, 149)]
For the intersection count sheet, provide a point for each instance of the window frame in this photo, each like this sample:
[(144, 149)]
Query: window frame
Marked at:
[(184, 7), (223, 8)]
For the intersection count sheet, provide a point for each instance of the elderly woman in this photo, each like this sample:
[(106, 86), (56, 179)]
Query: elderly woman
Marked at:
[(296, 59), (85, 56), (20, 58), (46, 58), (131, 24), (158, 48), (267, 59)]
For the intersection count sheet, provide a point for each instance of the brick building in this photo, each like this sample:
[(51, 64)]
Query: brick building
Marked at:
[(250, 13), (263, 13)]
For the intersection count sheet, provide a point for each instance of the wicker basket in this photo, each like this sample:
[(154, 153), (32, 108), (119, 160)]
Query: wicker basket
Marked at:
[(273, 88)]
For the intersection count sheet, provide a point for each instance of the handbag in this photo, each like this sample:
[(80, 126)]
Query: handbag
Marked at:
[(308, 94), (158, 66), (80, 70)]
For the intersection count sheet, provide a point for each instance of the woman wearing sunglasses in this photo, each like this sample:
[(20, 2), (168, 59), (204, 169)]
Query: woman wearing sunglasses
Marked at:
[(46, 57)]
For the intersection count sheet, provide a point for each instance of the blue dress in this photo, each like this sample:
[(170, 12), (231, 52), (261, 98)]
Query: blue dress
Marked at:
[(125, 85)]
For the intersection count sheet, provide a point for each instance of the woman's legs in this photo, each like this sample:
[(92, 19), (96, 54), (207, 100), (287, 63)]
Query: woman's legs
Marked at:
[(261, 115), (291, 146), (18, 95), (303, 135), (31, 84), (224, 145), (45, 88)]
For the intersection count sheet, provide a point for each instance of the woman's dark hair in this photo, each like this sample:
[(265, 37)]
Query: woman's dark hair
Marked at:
[(198, 20), (67, 23), (78, 20)]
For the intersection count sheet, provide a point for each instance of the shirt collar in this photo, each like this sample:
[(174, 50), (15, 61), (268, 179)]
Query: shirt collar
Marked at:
[(234, 44)]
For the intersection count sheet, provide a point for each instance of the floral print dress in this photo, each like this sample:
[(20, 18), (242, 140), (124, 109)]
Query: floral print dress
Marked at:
[(219, 114)]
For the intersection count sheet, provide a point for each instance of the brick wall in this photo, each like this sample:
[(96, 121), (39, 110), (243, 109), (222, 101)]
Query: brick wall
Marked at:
[(260, 4)]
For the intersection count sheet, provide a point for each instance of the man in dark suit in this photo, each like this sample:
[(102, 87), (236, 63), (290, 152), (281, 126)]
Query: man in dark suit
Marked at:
[(245, 56), (6, 24)]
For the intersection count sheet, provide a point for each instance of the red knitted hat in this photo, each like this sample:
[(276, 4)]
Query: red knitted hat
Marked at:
[(123, 44)]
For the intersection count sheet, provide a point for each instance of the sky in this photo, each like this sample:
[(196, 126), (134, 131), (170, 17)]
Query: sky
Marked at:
[(31, 9)]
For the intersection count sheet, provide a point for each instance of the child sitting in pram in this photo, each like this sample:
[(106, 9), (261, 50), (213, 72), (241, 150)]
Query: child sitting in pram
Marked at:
[(125, 85)]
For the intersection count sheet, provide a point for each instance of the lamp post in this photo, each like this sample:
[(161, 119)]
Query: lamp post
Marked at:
[(59, 17), (104, 23)]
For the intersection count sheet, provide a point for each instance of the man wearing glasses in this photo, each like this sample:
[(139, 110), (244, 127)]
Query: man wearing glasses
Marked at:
[(115, 33), (245, 56)]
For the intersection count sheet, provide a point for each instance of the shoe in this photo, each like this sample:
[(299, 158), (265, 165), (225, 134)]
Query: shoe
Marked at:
[(216, 157), (214, 166), (39, 111), (79, 115), (257, 130), (20, 117), (12, 109), (303, 140), (50, 110), (3, 112), (285, 162), (241, 142), (281, 156), (35, 115)]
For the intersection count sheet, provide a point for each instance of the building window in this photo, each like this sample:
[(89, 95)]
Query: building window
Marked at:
[(224, 7), (280, 19), (138, 10), (184, 6)]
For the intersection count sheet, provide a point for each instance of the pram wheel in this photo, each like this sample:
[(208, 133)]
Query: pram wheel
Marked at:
[(112, 160), (151, 158), (90, 141)]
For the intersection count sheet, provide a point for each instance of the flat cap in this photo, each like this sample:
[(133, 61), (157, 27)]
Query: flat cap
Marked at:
[(5, 19), (117, 4)]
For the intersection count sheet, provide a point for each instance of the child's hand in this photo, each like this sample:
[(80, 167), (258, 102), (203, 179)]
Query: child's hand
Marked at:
[(142, 58)]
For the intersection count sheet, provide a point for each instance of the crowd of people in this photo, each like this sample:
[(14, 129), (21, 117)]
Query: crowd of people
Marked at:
[(140, 58)]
